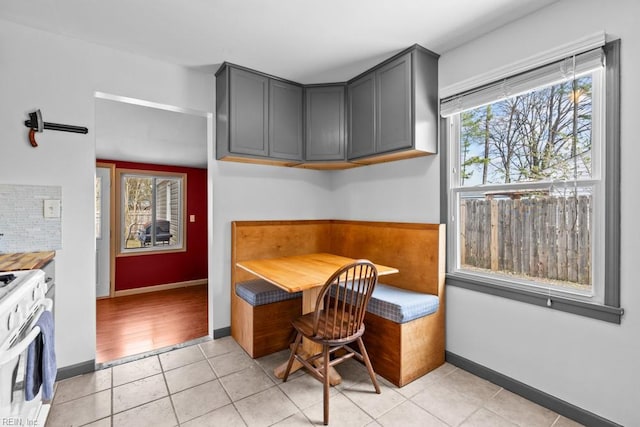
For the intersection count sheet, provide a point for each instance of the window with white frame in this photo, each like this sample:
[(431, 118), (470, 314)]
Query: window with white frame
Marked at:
[(151, 211), (528, 185)]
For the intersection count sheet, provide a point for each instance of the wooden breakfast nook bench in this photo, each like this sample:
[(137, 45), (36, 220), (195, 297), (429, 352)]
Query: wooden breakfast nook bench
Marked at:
[(405, 318), (264, 314)]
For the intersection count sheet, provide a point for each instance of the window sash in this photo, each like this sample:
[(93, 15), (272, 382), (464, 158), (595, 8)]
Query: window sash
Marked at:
[(597, 147), (178, 229), (593, 295), (597, 292)]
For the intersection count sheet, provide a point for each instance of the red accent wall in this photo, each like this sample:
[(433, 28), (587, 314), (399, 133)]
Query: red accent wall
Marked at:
[(158, 269)]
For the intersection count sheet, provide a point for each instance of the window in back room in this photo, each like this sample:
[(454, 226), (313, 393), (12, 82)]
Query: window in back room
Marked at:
[(152, 211)]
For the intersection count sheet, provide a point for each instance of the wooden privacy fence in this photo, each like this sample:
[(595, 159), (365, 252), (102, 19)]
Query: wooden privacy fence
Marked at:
[(538, 237)]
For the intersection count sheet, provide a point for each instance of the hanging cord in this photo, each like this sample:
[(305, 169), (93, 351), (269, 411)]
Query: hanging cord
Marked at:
[(574, 142)]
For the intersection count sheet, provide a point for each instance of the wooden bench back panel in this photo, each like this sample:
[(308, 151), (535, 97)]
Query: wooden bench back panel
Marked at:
[(273, 239), (416, 250)]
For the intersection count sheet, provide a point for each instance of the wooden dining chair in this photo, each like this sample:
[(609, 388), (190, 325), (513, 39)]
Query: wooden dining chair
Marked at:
[(338, 319)]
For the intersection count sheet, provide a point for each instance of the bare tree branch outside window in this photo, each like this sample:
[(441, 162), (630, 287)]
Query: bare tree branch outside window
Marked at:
[(544, 135)]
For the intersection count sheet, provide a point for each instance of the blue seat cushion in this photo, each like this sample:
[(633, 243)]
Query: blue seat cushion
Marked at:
[(397, 304), (400, 305), (259, 292)]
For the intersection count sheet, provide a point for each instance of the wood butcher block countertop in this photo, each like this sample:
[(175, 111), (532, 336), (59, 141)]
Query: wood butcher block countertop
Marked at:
[(25, 260)]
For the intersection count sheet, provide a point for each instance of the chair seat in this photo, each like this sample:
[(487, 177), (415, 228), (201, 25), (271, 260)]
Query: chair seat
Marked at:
[(259, 292), (304, 325)]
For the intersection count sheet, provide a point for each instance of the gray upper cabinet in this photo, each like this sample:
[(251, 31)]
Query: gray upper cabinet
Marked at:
[(325, 123), (258, 118), (389, 112), (285, 120), (362, 95), (393, 108), (249, 113), (393, 105)]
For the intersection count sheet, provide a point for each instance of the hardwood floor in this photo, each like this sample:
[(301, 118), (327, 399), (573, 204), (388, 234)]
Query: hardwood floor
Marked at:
[(139, 323)]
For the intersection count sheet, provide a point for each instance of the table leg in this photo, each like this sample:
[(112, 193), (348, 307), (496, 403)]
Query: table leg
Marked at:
[(308, 347)]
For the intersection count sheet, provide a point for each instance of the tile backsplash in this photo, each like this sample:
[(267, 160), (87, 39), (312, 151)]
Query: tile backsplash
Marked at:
[(23, 226)]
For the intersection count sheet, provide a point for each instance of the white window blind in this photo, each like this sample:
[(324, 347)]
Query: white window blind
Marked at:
[(546, 75)]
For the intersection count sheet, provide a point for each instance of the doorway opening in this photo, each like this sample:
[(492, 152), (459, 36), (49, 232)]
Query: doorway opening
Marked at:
[(151, 227)]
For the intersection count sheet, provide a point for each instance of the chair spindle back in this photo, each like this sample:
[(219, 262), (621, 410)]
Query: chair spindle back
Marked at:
[(342, 302)]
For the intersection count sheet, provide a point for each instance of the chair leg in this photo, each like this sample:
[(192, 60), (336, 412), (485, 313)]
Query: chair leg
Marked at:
[(367, 362), (325, 368), (292, 356)]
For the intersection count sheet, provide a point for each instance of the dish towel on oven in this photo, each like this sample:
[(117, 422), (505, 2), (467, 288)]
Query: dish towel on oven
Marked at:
[(41, 360)]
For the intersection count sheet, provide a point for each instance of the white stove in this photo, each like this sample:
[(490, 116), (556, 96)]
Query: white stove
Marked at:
[(22, 300), (18, 298)]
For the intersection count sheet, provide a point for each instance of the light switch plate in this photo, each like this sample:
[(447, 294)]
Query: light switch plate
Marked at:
[(52, 208)]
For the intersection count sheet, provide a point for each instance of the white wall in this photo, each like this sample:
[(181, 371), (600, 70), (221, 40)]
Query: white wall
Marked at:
[(60, 75), (257, 192), (588, 363), (406, 190)]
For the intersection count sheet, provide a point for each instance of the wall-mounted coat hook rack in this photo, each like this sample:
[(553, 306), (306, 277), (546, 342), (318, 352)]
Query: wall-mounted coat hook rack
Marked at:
[(36, 124)]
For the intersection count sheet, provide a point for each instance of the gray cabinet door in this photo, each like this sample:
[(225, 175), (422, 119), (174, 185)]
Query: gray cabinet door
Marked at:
[(325, 123), (248, 115), (394, 105), (362, 116), (285, 120)]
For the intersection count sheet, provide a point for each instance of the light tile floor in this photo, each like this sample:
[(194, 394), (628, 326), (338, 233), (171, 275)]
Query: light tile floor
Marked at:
[(214, 383)]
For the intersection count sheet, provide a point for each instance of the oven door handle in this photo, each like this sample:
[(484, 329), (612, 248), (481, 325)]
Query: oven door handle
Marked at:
[(17, 349)]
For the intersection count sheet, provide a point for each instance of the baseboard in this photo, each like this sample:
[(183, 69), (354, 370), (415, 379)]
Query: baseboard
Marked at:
[(222, 332), (91, 365), (150, 353), (558, 406), (164, 287), (77, 369)]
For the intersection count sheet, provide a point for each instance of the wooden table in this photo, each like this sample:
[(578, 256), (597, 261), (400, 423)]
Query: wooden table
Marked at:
[(306, 273)]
